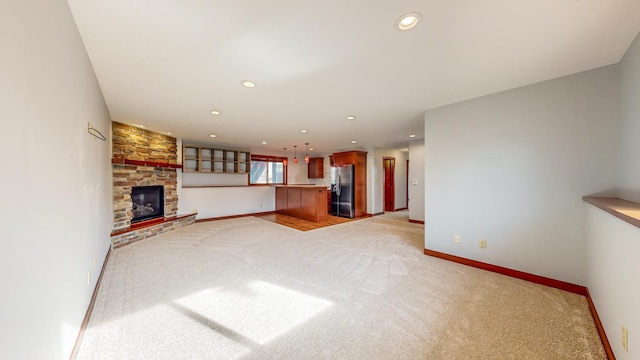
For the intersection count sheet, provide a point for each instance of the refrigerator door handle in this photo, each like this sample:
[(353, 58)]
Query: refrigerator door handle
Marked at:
[(338, 187)]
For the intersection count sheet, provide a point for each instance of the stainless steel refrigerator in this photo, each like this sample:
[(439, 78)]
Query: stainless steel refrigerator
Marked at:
[(342, 194)]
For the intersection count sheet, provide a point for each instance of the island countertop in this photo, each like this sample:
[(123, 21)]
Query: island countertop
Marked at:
[(301, 186)]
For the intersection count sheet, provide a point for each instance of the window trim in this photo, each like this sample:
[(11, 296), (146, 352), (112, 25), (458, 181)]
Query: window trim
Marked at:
[(269, 158)]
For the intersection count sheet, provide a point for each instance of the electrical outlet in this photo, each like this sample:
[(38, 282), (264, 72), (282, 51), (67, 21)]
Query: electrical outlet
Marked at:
[(625, 339), (89, 278), (483, 243), (456, 239)]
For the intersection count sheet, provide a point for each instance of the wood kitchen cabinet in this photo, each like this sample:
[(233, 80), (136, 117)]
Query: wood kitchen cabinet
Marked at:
[(306, 202), (315, 168), (359, 159)]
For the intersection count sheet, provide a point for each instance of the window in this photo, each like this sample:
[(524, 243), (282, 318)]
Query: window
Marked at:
[(267, 170)]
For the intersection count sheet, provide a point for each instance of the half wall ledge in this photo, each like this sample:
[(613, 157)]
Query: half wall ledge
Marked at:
[(625, 210)]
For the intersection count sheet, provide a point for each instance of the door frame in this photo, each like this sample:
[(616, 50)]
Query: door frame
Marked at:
[(392, 170), (407, 183)]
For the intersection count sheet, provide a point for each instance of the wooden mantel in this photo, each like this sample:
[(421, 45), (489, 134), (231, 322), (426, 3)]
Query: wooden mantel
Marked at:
[(145, 163)]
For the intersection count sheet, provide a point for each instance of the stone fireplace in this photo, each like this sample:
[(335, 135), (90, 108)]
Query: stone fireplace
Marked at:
[(145, 198), (125, 177)]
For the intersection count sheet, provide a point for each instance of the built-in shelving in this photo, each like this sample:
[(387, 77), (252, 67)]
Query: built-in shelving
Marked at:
[(215, 160)]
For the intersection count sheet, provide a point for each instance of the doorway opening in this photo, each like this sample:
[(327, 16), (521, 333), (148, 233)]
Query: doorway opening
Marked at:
[(389, 183)]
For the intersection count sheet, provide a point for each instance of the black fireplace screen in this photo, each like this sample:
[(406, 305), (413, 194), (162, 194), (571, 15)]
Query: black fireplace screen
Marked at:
[(148, 202)]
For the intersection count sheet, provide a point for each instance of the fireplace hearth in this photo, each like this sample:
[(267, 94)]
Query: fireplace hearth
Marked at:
[(148, 202)]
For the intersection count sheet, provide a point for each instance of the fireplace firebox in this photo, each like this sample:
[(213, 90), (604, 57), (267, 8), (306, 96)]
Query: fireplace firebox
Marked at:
[(148, 202)]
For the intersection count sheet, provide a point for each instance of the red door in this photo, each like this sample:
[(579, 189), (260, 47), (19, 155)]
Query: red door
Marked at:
[(389, 187)]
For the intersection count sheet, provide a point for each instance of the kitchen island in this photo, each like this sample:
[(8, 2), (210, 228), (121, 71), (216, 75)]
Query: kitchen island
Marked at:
[(307, 202)]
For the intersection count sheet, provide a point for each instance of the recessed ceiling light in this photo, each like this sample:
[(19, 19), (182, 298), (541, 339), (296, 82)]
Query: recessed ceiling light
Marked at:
[(408, 21), (249, 84), (351, 117), (212, 135), (140, 126), (310, 149), (215, 112), (412, 135), (168, 132), (264, 143), (303, 131), (353, 141)]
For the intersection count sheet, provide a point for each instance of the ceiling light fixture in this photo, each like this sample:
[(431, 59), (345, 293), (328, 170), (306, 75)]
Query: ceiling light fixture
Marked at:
[(284, 161), (306, 156), (264, 143), (215, 112), (351, 117), (303, 131), (295, 157), (412, 135), (408, 21), (310, 149), (248, 84), (212, 135), (353, 141)]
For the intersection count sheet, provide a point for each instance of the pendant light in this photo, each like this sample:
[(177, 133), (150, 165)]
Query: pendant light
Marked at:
[(284, 162), (306, 157), (295, 157)]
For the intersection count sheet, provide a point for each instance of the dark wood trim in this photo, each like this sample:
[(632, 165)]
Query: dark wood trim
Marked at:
[(145, 163), (235, 216), (573, 288), (416, 221), (146, 223), (149, 223), (600, 328), (625, 210), (407, 183), (215, 186), (87, 315), (256, 157), (400, 209)]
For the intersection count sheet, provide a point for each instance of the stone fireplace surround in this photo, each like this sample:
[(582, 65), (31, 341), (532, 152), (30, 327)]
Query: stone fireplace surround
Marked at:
[(127, 176), (143, 158)]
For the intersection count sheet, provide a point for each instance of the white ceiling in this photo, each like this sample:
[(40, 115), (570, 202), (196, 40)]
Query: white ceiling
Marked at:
[(166, 64)]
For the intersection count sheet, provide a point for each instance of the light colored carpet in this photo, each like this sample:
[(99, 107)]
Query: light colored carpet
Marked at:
[(251, 289)]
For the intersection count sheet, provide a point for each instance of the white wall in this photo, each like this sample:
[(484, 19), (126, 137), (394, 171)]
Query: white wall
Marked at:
[(629, 167), (56, 204), (613, 267), (416, 172), (512, 168), (213, 202), (298, 173), (612, 245), (376, 184)]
